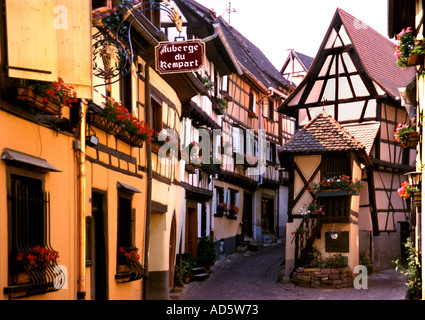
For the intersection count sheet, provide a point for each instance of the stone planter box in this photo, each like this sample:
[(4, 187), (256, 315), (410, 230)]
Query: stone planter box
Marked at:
[(336, 278)]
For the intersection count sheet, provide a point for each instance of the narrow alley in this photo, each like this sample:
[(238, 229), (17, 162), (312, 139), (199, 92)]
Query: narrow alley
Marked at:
[(253, 276)]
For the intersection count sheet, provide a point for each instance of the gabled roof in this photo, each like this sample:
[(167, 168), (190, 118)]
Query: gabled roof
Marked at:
[(377, 55), (373, 52), (323, 134), (249, 58), (304, 60)]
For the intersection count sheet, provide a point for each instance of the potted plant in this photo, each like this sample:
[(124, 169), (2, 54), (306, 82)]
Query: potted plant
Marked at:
[(334, 233), (407, 191), (336, 186), (250, 161), (232, 212), (206, 253), (402, 134), (412, 271), (219, 105), (37, 258), (221, 209), (126, 258), (312, 208), (48, 97), (302, 232)]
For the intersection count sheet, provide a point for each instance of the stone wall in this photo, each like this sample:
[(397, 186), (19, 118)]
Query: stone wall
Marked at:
[(323, 277)]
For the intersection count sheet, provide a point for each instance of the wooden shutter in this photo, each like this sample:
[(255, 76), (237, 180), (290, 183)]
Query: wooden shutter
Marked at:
[(74, 42), (49, 39), (31, 40)]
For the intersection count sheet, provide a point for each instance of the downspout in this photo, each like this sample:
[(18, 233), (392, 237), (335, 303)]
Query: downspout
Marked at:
[(149, 177), (81, 293)]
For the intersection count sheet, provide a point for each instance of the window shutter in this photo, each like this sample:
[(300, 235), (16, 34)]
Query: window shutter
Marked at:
[(268, 152), (32, 44), (74, 43), (237, 199), (50, 39)]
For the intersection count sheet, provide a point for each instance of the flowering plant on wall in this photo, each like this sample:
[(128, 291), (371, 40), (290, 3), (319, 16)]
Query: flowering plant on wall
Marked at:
[(402, 133), (57, 92), (342, 182), (312, 207), (115, 112), (302, 233), (38, 258), (127, 257), (405, 43), (406, 191), (233, 211)]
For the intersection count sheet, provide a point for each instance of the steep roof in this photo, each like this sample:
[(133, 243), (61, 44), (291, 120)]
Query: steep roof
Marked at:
[(323, 134), (365, 133), (373, 53), (304, 60), (377, 54), (250, 58)]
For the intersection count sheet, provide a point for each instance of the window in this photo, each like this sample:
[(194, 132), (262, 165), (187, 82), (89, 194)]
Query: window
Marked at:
[(125, 221), (126, 93), (29, 233), (129, 267), (271, 110), (252, 102), (157, 123), (225, 83), (238, 140)]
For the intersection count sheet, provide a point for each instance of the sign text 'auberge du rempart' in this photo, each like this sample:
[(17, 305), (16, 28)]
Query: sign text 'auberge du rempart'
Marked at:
[(182, 56)]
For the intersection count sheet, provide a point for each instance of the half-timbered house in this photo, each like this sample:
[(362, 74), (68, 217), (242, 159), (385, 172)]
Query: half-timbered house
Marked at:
[(353, 85), (296, 66), (139, 184), (253, 89)]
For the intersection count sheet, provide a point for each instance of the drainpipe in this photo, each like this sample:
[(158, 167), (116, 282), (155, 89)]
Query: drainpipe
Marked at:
[(149, 176), (81, 293)]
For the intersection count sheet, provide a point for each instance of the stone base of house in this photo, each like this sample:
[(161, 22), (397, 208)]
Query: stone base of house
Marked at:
[(323, 277)]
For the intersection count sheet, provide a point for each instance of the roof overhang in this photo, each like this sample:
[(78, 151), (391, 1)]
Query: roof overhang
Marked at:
[(20, 158)]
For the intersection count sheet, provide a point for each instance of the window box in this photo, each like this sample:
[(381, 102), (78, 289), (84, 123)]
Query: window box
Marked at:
[(337, 193), (191, 168), (102, 123), (413, 139), (28, 95), (251, 114), (211, 168)]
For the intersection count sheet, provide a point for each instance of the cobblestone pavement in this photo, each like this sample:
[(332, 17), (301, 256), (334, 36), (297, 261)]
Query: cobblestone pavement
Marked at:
[(253, 276)]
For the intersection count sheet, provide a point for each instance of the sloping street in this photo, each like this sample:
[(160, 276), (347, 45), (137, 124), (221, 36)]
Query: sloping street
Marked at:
[(253, 276)]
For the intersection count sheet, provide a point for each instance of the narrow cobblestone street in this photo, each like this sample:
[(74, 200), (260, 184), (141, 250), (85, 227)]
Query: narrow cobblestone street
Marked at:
[(253, 275)]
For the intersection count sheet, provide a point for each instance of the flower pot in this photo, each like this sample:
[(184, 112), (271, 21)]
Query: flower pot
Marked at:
[(155, 147), (334, 236), (415, 60), (102, 123), (190, 168), (26, 94), (413, 139), (232, 217), (51, 108), (219, 212), (417, 199), (21, 278)]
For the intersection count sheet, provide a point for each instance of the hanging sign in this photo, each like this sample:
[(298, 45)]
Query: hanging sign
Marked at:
[(180, 56)]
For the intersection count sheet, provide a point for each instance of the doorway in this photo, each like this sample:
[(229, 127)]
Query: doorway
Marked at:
[(267, 215), (247, 215), (172, 253), (99, 263), (191, 242)]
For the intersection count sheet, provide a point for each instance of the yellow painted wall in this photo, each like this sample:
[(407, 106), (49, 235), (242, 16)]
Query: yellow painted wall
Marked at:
[(21, 135)]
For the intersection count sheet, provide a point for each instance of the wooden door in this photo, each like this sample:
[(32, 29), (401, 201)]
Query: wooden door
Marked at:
[(191, 242)]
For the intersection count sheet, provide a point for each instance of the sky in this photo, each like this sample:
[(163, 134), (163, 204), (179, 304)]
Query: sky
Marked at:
[(275, 26)]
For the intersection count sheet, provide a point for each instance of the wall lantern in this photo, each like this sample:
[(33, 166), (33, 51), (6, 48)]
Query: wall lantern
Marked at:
[(414, 178), (92, 140)]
